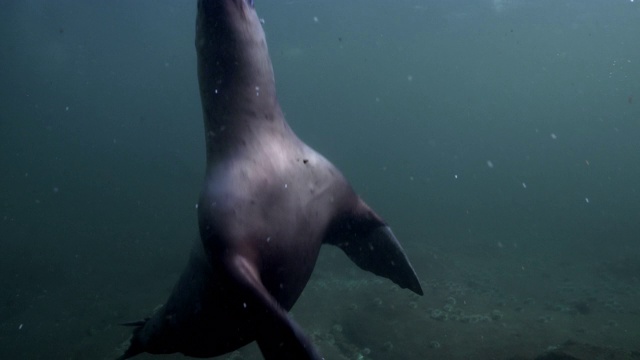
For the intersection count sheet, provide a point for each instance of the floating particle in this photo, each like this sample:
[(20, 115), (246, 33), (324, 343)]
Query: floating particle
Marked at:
[(410, 77), (524, 186), (554, 136), (490, 164), (315, 19), (586, 200), (20, 326), (455, 176)]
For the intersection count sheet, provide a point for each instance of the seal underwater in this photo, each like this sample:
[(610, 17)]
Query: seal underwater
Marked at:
[(268, 203)]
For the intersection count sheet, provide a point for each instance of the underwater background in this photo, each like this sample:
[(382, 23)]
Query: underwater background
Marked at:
[(500, 139)]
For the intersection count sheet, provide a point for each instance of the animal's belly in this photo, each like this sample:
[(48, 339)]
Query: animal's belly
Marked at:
[(286, 274)]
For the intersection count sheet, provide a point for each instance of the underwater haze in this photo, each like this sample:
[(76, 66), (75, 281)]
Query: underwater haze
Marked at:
[(500, 139)]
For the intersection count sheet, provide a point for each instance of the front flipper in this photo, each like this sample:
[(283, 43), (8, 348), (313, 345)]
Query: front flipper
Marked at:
[(278, 336), (369, 243)]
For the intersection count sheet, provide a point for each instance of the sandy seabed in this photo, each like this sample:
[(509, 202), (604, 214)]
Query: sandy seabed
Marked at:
[(482, 304)]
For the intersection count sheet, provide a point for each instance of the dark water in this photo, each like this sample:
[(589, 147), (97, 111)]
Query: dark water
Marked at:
[(500, 139)]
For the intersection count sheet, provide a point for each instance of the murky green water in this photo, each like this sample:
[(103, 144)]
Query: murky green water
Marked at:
[(500, 139)]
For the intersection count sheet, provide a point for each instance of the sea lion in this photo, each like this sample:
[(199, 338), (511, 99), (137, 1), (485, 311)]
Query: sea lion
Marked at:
[(268, 203)]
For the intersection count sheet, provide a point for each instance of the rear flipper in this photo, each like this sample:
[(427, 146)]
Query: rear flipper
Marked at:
[(369, 243), (278, 336)]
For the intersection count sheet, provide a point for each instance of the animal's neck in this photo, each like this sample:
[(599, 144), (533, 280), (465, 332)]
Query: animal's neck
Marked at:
[(237, 86)]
